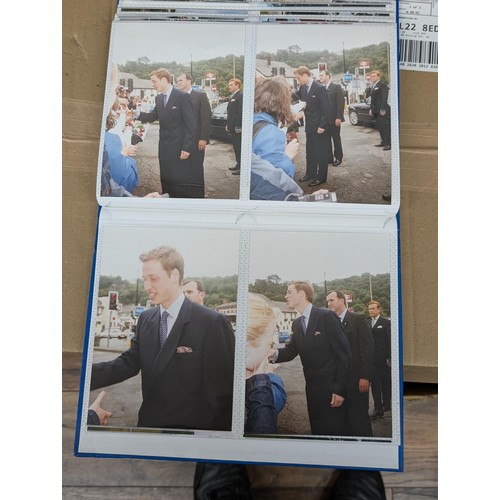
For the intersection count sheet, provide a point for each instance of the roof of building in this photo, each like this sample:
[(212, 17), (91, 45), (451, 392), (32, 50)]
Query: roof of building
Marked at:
[(139, 83), (265, 68)]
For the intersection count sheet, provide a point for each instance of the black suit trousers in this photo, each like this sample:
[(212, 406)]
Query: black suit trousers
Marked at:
[(325, 420), (318, 147), (357, 413), (384, 127), (236, 138), (181, 178), (381, 387), (335, 153)]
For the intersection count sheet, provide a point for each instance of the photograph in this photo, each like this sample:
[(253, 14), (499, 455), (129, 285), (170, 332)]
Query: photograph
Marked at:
[(163, 333), (322, 113), (319, 361), (173, 113)]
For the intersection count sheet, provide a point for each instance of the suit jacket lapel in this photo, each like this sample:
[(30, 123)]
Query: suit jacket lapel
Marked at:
[(170, 346), (346, 318), (313, 321), (150, 340)]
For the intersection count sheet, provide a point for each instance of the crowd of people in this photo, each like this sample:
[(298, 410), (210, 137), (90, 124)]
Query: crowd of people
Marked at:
[(185, 352), (184, 117), (342, 354), (322, 113)]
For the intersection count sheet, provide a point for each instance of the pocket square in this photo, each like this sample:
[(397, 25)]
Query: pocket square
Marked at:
[(379, 326), (182, 349), (174, 107), (317, 333)]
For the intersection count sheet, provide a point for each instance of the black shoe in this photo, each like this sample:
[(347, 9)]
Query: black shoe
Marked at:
[(221, 481), (379, 145), (375, 414), (358, 485), (236, 172), (336, 163), (316, 182), (304, 179), (386, 148), (236, 167)]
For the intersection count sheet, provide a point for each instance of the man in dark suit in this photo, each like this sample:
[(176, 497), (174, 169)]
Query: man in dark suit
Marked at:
[(361, 342), (184, 351), (380, 109), (234, 120), (316, 114), (203, 114), (381, 383), (337, 104), (320, 341), (175, 112)]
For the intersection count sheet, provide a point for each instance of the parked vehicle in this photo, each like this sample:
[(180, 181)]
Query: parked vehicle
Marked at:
[(219, 122), (283, 337), (359, 113)]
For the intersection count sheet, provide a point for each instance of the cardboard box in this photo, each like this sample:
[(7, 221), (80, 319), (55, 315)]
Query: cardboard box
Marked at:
[(86, 32)]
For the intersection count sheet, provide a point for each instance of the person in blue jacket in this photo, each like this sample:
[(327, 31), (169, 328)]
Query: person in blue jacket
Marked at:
[(272, 116), (123, 167), (265, 391)]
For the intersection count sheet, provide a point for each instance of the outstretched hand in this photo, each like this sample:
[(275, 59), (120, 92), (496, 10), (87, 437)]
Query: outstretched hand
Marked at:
[(101, 412), (292, 148)]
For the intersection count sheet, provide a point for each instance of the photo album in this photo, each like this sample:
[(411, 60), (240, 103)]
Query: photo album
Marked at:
[(244, 301)]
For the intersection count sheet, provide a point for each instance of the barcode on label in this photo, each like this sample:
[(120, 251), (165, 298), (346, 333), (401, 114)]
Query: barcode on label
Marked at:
[(418, 51)]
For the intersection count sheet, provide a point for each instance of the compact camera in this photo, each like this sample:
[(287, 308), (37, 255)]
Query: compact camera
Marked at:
[(326, 197)]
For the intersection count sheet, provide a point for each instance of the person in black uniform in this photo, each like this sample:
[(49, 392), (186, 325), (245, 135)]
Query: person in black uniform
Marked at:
[(380, 109), (337, 104), (320, 341), (175, 112), (234, 119), (361, 341), (381, 383), (316, 114), (203, 114)]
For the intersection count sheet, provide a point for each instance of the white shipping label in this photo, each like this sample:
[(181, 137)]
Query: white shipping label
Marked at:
[(418, 35)]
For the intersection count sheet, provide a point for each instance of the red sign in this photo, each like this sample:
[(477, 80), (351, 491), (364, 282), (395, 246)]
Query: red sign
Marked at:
[(210, 75), (363, 64)]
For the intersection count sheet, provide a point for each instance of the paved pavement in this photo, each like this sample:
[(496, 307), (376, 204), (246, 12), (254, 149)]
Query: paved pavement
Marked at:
[(124, 399), (363, 177)]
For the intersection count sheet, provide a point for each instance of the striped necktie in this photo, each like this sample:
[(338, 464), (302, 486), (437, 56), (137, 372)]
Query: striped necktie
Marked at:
[(303, 323), (163, 328)]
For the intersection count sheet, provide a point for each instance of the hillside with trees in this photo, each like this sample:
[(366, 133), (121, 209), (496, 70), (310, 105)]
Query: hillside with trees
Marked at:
[(377, 54), (274, 288), (229, 66), (222, 66), (223, 289)]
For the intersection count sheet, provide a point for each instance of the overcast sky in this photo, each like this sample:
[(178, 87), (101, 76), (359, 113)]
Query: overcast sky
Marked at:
[(319, 37), (291, 255), (308, 256), (179, 41), (206, 252)]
